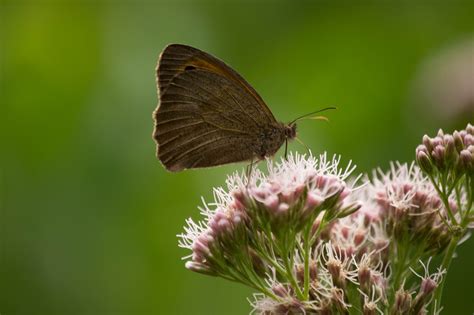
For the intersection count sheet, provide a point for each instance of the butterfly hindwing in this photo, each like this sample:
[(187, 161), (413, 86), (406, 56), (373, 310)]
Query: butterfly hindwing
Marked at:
[(201, 123)]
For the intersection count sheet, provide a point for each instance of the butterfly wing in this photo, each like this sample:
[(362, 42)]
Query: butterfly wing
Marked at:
[(177, 58), (205, 118)]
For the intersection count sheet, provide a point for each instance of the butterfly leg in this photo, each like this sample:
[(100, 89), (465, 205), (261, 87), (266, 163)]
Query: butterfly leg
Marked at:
[(286, 149), (249, 171)]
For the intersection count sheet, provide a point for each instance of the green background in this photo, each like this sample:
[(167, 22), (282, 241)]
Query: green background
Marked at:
[(89, 216)]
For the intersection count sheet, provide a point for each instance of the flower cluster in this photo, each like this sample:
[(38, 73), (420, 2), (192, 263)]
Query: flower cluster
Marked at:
[(446, 154), (257, 224), (448, 161), (411, 209), (313, 239)]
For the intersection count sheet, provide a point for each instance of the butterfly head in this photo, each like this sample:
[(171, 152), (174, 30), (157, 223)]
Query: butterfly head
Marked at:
[(290, 131)]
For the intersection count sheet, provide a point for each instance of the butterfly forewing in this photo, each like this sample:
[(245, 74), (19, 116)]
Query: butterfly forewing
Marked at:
[(208, 115), (176, 58)]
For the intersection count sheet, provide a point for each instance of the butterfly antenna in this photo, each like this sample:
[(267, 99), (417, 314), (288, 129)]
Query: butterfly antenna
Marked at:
[(301, 142), (312, 113)]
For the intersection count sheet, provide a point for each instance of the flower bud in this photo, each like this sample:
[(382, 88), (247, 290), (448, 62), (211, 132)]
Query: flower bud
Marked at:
[(466, 161), (258, 264), (313, 200), (200, 248), (280, 290), (470, 129), (403, 302), (335, 268), (282, 208), (424, 162), (364, 276), (199, 267), (451, 153), (241, 199), (427, 286), (370, 308), (349, 210), (436, 141), (438, 154), (458, 142), (469, 140), (423, 148), (299, 272), (337, 298), (359, 237), (271, 202), (427, 143)]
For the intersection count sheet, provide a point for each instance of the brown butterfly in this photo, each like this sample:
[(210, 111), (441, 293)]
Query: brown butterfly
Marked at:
[(209, 115)]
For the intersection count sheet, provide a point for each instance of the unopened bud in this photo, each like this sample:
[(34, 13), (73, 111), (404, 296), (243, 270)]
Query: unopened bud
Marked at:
[(470, 129), (241, 197), (424, 162), (428, 143), (280, 290), (283, 208), (466, 161), (299, 272), (438, 154), (427, 286), (349, 209), (199, 267), (313, 200), (458, 142), (423, 148), (451, 153), (369, 308), (337, 273), (364, 276), (436, 141), (271, 202), (337, 297), (468, 140), (403, 302), (313, 270)]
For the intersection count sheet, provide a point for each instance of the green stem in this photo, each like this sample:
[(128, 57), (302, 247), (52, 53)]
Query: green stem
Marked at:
[(291, 277), (448, 257), (400, 267), (271, 261), (445, 200), (307, 280)]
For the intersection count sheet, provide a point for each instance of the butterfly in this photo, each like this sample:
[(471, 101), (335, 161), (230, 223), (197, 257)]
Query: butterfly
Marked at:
[(208, 115)]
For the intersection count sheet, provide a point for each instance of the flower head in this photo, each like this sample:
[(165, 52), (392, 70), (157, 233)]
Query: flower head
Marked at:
[(311, 241), (294, 191), (264, 209), (411, 207), (452, 155)]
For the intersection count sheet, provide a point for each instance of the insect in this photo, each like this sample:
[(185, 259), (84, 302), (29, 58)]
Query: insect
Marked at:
[(208, 115)]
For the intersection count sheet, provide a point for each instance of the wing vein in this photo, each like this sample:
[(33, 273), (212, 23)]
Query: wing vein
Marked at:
[(194, 149)]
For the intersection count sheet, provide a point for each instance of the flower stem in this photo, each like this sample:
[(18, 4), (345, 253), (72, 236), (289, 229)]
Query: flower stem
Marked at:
[(444, 199), (307, 237), (448, 257), (400, 266), (291, 277)]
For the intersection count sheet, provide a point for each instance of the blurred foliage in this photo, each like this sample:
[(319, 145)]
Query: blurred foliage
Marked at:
[(89, 216)]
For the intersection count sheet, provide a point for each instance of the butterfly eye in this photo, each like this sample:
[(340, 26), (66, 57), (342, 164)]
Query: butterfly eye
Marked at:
[(189, 68)]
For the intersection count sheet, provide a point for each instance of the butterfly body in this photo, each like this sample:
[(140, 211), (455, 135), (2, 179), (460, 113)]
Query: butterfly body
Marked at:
[(209, 115)]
